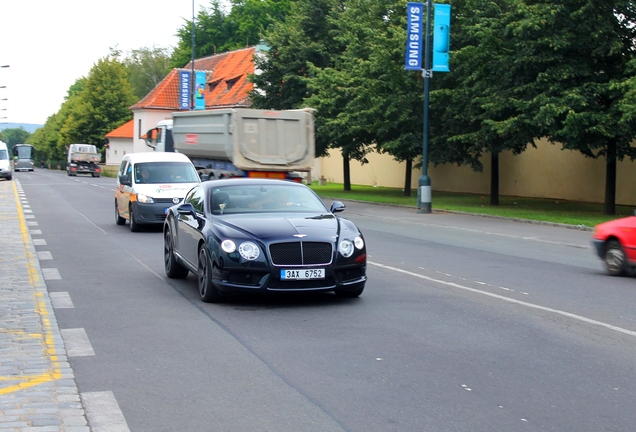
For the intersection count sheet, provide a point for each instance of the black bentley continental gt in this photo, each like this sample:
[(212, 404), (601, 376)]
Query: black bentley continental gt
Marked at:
[(260, 235)]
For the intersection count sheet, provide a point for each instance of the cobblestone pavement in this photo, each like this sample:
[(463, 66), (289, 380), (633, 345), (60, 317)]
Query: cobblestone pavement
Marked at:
[(37, 386)]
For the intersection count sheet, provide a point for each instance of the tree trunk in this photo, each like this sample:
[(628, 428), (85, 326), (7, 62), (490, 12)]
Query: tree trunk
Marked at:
[(494, 179), (346, 172), (407, 178), (610, 180)]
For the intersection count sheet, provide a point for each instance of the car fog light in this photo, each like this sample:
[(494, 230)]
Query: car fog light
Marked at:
[(346, 248), (249, 250), (228, 246)]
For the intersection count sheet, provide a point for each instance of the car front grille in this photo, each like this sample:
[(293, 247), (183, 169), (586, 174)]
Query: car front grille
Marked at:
[(300, 253), (163, 200)]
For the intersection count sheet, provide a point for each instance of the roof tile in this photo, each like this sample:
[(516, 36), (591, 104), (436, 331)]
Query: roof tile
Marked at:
[(226, 82)]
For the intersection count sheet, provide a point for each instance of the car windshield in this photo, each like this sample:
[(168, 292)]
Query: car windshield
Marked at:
[(263, 199), (165, 172)]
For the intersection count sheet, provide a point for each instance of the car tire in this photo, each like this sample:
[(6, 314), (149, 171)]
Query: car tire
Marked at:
[(134, 226), (9, 178), (350, 294), (174, 269), (615, 259), (118, 219), (207, 290)]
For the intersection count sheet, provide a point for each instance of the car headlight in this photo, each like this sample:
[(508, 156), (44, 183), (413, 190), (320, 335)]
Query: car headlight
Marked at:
[(145, 199), (358, 242), (228, 246), (249, 250), (346, 247)]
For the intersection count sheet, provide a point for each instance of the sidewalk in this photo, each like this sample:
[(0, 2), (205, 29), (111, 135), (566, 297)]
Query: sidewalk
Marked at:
[(37, 386)]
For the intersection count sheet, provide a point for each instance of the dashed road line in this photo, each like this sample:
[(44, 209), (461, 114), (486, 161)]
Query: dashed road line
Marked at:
[(77, 343), (103, 412)]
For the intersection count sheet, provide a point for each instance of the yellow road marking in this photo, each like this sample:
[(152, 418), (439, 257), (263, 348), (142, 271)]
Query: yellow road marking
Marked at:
[(54, 371)]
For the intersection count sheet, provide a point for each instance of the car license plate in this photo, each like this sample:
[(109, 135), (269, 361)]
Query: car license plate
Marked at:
[(302, 274), (165, 211)]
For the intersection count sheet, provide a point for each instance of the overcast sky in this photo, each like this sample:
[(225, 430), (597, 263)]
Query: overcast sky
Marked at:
[(49, 44)]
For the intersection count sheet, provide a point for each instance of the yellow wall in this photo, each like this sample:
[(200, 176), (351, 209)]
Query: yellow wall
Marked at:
[(544, 172)]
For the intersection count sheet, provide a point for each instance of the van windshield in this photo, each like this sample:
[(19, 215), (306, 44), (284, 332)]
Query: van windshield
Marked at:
[(4, 155), (165, 172)]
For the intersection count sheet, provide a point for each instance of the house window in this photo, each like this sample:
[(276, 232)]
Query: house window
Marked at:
[(139, 128), (115, 151), (212, 85), (230, 83)]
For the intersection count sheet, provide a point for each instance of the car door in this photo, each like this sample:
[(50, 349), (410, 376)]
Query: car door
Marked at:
[(189, 225), (122, 193)]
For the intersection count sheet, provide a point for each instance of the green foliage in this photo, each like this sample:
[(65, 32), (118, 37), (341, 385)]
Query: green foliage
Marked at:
[(217, 31), (146, 68), (302, 41), (101, 106), (12, 136)]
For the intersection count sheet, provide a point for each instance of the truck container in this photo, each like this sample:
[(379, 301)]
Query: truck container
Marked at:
[(240, 142), (83, 159)]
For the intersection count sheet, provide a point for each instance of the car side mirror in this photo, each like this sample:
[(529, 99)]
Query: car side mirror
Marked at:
[(337, 206), (186, 209), (123, 179)]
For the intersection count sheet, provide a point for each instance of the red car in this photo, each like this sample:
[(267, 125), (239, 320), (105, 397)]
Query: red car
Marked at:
[(615, 244)]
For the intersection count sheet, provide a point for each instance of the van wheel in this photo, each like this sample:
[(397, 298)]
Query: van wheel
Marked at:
[(134, 226), (118, 219)]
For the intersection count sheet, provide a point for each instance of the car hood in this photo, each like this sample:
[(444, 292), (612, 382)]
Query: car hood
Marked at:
[(322, 227), (623, 224)]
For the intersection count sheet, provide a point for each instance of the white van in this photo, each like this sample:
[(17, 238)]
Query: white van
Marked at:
[(148, 184), (5, 162)]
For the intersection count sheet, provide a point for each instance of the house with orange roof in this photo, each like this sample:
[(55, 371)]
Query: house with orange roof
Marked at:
[(226, 86), (119, 142)]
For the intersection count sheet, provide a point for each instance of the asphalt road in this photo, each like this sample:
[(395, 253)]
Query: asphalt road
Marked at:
[(466, 323)]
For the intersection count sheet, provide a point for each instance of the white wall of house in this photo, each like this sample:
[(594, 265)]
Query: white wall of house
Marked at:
[(144, 120), (117, 149)]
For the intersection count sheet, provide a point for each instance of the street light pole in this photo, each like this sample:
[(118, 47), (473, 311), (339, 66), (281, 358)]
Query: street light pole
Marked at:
[(424, 182)]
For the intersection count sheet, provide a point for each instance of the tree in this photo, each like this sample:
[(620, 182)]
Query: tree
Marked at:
[(481, 107), (217, 31), (12, 136), (584, 54), (146, 68), (302, 41), (46, 138), (101, 106)]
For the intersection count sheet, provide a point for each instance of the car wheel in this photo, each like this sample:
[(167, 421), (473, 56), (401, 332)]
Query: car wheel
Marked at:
[(134, 226), (207, 290), (174, 270), (9, 178), (615, 260), (350, 294), (118, 219)]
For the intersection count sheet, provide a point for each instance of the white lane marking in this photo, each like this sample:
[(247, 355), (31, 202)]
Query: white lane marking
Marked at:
[(35, 232), (61, 300), (44, 255), (103, 412), (32, 223), (51, 274), (76, 342), (510, 300), (39, 242)]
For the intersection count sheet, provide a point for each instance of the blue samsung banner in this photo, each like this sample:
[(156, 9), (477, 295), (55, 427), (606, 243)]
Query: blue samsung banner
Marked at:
[(414, 36), (184, 89), (199, 91), (441, 38)]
